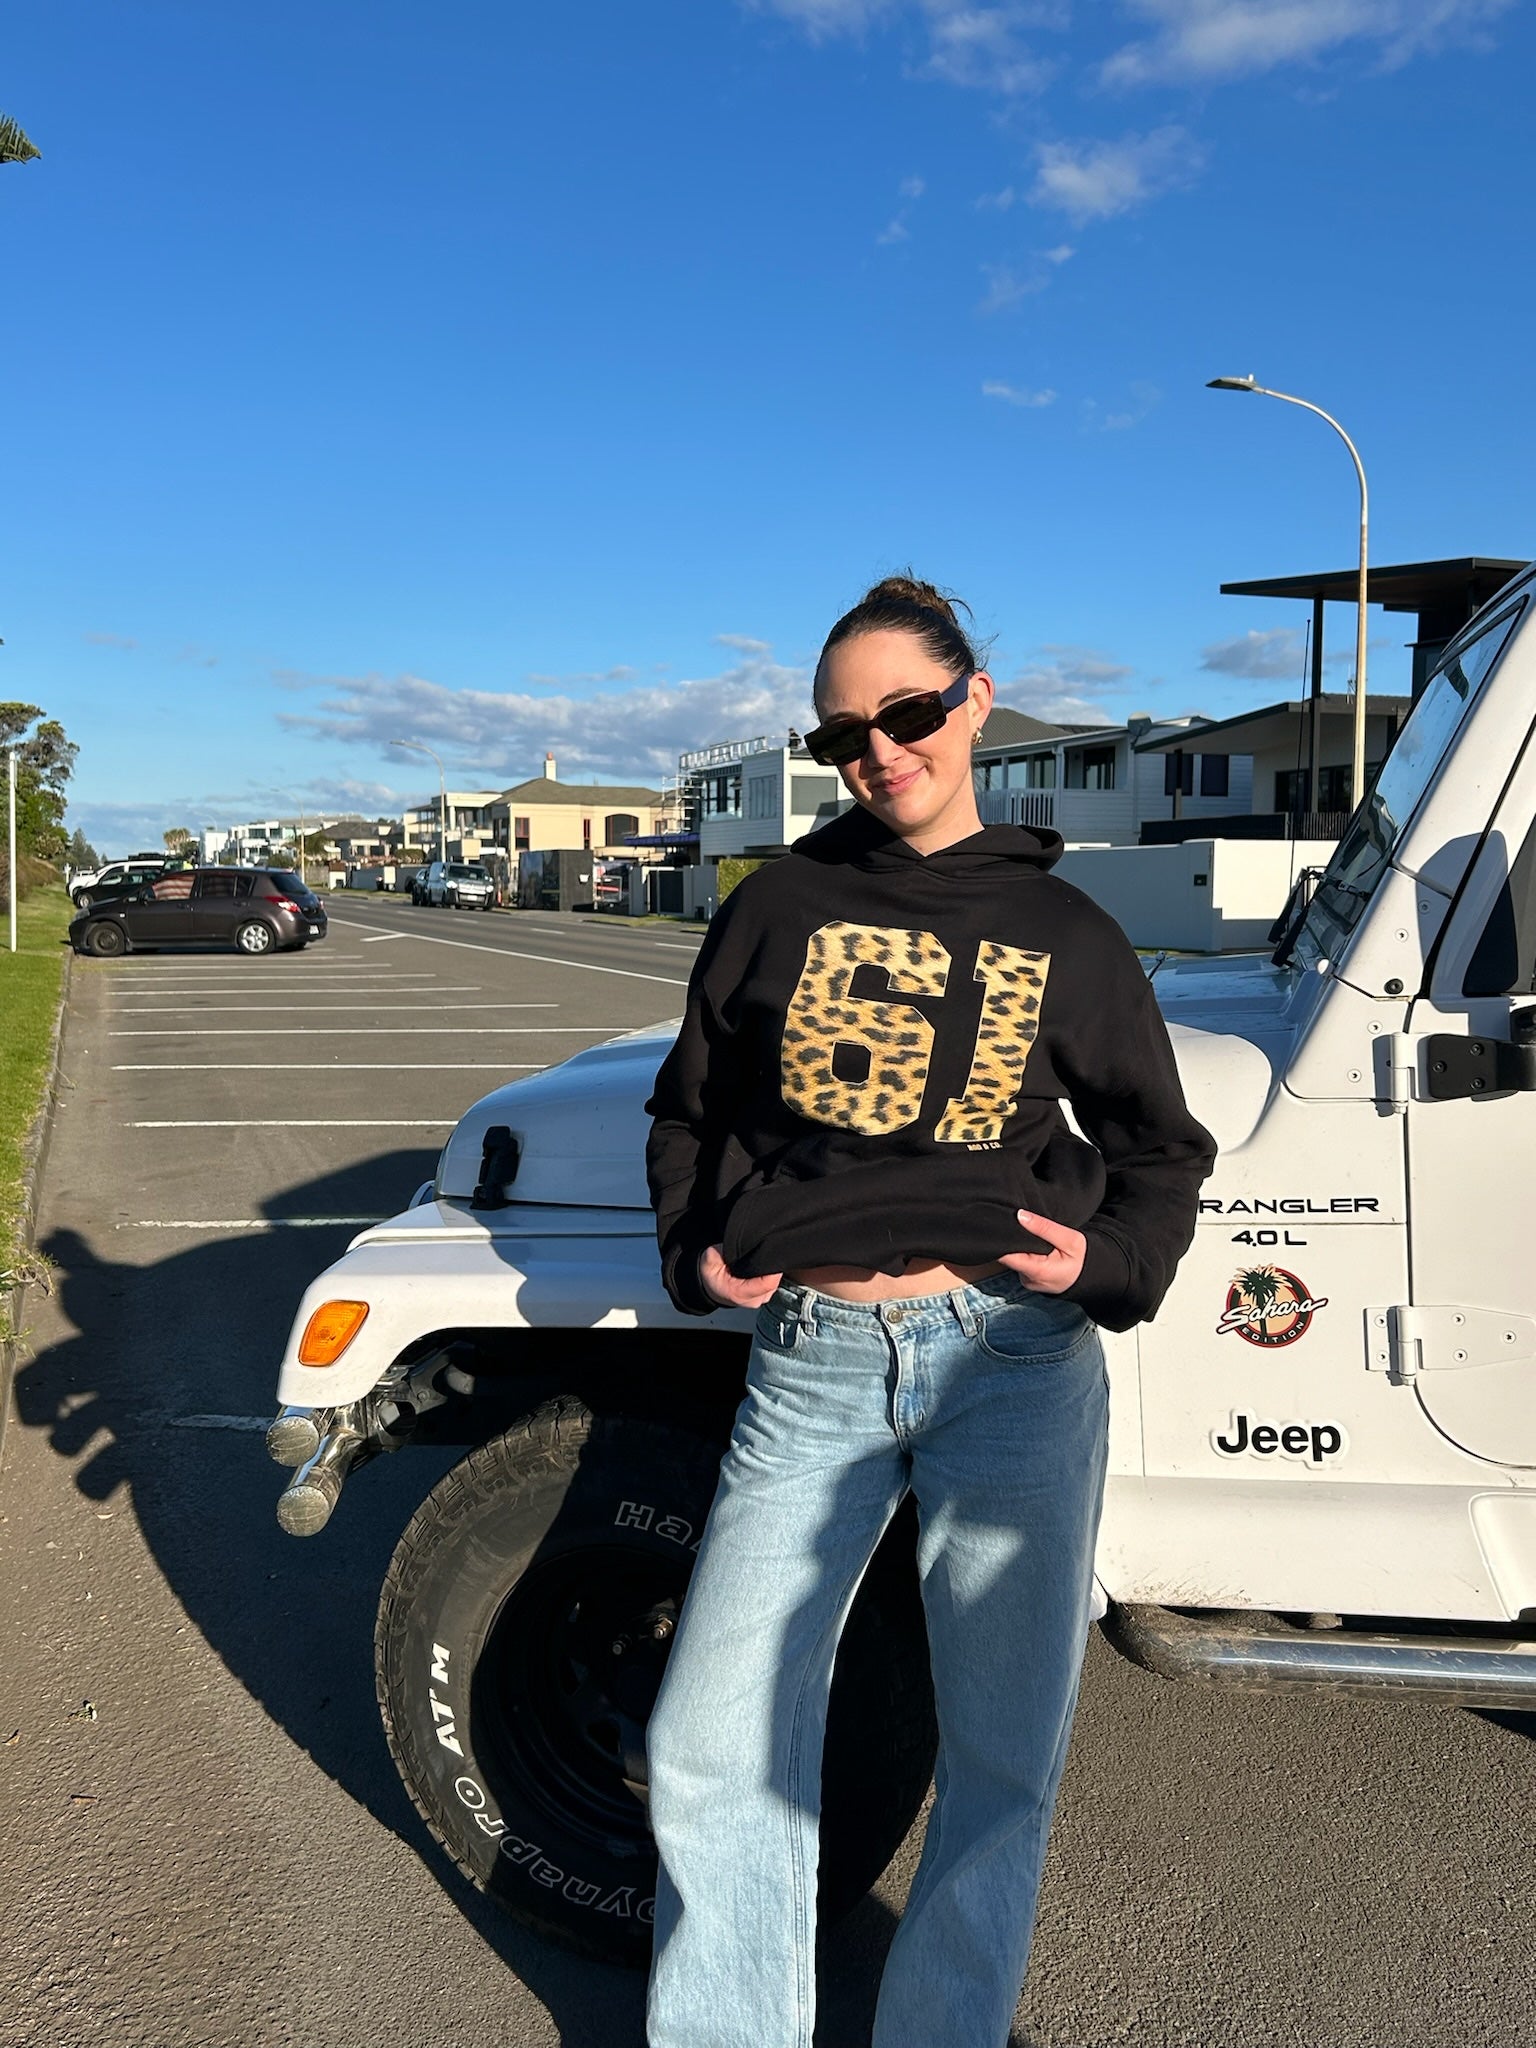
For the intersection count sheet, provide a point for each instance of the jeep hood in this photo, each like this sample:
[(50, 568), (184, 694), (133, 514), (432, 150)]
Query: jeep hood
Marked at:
[(581, 1126)]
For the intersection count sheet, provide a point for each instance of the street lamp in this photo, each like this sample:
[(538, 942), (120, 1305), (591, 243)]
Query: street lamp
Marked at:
[(442, 793), (1357, 772)]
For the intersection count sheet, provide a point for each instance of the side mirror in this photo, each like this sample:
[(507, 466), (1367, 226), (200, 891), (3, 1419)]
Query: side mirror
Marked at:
[(145, 896)]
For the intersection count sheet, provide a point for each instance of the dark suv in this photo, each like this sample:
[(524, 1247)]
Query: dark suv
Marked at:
[(254, 910)]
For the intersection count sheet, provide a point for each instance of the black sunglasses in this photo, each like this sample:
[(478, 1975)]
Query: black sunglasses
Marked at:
[(843, 740)]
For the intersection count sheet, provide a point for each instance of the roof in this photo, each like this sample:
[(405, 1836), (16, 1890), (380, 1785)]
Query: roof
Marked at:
[(543, 789), (1333, 705), (1006, 727), (1461, 583)]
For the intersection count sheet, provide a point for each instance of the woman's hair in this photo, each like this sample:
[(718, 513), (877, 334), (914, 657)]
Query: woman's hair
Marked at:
[(903, 604)]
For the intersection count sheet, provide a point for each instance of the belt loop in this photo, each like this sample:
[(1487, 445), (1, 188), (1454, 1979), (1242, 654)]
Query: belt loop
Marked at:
[(965, 1315), (805, 1310)]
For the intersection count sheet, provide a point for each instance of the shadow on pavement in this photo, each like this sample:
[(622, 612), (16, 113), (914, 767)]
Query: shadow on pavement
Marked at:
[(197, 1334)]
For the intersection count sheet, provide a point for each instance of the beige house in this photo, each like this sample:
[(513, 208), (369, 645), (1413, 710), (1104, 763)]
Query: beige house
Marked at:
[(538, 816)]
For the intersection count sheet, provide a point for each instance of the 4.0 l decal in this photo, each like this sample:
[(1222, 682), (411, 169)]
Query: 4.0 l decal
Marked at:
[(1268, 1306)]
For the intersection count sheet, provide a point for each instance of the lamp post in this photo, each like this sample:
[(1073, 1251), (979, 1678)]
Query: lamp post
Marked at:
[(1357, 771), (442, 794), (11, 842)]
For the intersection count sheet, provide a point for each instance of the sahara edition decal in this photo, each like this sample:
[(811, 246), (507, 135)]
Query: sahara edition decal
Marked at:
[(1268, 1306), (1315, 1442)]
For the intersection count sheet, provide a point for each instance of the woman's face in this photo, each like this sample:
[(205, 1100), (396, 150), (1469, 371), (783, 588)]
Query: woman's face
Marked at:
[(923, 790)]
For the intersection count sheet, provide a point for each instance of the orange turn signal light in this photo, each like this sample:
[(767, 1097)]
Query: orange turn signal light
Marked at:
[(330, 1330)]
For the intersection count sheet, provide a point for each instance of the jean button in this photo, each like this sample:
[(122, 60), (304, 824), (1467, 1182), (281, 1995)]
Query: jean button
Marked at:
[(894, 1315)]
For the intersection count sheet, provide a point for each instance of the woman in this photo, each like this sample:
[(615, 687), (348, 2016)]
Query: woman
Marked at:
[(859, 1133)]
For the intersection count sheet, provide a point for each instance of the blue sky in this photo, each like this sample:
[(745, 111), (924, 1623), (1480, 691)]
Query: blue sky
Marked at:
[(526, 378)]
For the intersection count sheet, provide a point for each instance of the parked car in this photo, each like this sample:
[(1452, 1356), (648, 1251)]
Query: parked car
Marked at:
[(117, 876), (258, 910), (415, 881), (459, 885)]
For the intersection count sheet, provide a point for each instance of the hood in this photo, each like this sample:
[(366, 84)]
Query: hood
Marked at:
[(581, 1128), (858, 839)]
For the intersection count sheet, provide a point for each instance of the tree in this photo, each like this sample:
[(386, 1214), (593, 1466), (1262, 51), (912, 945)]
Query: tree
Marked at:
[(15, 147), (178, 839), (80, 853), (45, 760)]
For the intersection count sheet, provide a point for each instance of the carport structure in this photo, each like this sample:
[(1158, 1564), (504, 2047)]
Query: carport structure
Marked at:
[(1441, 595)]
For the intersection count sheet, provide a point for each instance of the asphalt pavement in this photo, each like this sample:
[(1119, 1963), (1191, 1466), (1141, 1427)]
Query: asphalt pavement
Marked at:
[(207, 1844)]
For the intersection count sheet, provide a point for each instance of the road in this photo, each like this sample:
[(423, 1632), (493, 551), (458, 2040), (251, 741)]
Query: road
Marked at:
[(208, 1847)]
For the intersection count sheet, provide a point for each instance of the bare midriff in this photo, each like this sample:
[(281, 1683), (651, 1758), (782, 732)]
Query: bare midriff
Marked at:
[(855, 1283)]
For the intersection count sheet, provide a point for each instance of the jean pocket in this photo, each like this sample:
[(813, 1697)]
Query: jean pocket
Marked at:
[(778, 1329), (1037, 1331)]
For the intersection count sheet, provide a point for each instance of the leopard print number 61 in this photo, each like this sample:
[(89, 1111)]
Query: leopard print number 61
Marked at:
[(890, 1044)]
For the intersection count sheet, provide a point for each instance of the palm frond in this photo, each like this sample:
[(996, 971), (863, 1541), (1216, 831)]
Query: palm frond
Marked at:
[(15, 146)]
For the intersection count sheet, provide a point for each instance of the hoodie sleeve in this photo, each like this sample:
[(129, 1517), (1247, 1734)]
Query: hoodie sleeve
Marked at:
[(1125, 1091), (690, 1111)]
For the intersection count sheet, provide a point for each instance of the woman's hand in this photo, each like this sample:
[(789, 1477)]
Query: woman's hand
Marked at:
[(1051, 1272), (722, 1285)]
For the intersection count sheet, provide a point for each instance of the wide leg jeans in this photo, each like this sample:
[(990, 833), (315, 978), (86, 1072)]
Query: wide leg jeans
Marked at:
[(989, 1403)]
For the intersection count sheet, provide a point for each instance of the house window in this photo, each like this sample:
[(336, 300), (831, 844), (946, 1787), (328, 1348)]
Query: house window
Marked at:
[(586, 833), (618, 826), (1040, 772), (1091, 768), (1178, 774), (762, 796), (1333, 786), (722, 795), (1215, 774), (522, 834), (807, 794), (1293, 790)]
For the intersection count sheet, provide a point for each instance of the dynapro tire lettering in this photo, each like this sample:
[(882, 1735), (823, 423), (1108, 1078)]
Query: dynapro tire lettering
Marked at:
[(1313, 1442), (444, 1725), (619, 1902), (639, 1514)]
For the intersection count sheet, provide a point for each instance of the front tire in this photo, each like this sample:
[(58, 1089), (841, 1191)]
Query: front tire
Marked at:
[(106, 941), (254, 937), (521, 1640)]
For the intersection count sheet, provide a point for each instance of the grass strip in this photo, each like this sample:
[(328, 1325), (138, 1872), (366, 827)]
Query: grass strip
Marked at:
[(29, 1003)]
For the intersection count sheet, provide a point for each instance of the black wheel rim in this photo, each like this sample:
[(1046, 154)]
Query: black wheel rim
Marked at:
[(566, 1684)]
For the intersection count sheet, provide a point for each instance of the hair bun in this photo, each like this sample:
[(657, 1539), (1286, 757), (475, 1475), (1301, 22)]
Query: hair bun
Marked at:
[(910, 589)]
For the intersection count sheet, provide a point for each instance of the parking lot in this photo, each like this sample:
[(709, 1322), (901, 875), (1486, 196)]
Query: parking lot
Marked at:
[(208, 1844)]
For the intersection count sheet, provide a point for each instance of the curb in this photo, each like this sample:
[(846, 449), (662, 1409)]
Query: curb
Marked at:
[(35, 1159)]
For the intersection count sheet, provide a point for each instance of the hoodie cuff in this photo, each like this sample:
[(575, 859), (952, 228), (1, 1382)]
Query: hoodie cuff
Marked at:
[(680, 1277), (1102, 1288)]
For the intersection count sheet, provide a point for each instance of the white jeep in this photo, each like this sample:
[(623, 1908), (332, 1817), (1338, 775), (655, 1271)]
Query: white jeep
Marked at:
[(1323, 1450)]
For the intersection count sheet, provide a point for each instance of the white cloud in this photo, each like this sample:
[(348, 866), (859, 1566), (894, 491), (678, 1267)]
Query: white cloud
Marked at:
[(1096, 180), (978, 47), (912, 188), (119, 640), (996, 202), (1064, 684), (1204, 41), (1011, 394), (1261, 655), (895, 230), (623, 735), (743, 643), (1006, 286), (1120, 419), (1062, 253)]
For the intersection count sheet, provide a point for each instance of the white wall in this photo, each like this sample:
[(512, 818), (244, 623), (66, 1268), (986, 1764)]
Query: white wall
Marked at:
[(1206, 896)]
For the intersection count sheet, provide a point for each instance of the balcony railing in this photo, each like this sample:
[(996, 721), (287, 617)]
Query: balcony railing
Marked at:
[(1018, 807)]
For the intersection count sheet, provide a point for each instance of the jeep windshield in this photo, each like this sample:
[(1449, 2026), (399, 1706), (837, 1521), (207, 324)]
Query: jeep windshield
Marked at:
[(1370, 839)]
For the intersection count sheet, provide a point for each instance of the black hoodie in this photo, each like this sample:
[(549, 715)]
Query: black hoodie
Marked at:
[(873, 1062)]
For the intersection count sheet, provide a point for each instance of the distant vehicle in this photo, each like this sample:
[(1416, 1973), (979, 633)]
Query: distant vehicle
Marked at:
[(415, 881), (610, 884), (261, 910), (458, 885), (91, 884)]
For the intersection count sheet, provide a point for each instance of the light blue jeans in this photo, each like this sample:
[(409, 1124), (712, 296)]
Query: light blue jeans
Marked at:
[(990, 1403)]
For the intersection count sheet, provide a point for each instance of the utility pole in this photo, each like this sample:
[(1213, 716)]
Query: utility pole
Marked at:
[(11, 842)]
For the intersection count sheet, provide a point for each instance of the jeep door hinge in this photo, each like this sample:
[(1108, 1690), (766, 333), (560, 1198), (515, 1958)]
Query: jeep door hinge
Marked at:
[(1402, 1070), (1411, 1338)]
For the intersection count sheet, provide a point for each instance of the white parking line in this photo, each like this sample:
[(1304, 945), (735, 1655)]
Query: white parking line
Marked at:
[(295, 1123), (331, 1009), (381, 938), (250, 1223), (379, 1031), (549, 960), (335, 1067)]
